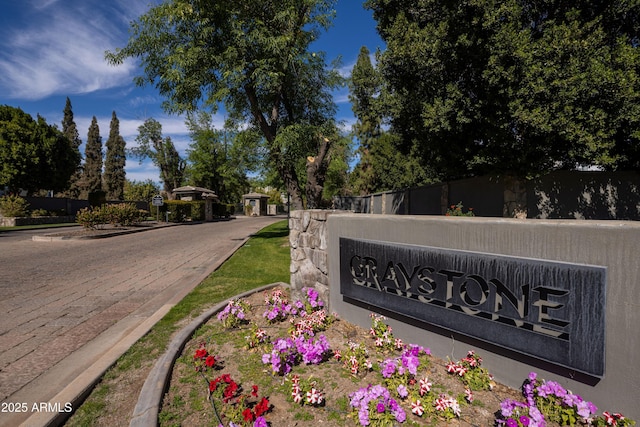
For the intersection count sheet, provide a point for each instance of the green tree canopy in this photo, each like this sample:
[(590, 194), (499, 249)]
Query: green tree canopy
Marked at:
[(92, 170), (33, 155), (380, 165), (114, 173), (219, 159), (162, 153), (252, 56), (140, 190), (70, 130), (516, 87)]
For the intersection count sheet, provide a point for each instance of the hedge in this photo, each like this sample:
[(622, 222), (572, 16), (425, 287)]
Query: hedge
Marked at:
[(194, 210)]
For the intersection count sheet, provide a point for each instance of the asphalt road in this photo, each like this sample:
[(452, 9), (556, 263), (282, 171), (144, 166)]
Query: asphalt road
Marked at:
[(67, 305)]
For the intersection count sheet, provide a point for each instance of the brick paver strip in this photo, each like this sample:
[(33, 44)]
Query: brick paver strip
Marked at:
[(71, 308)]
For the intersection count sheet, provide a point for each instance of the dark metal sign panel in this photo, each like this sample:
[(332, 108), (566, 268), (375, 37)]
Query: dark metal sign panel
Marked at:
[(550, 310)]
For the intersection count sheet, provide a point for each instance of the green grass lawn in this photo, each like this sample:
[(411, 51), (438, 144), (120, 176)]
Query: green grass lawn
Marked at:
[(264, 259)]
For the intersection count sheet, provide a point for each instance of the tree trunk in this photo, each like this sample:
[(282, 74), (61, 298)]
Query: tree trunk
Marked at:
[(317, 173)]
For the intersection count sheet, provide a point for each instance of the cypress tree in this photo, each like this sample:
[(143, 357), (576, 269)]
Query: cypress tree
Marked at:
[(70, 131), (92, 173), (114, 173)]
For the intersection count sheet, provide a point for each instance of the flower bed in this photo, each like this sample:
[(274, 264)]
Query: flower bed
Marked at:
[(268, 361)]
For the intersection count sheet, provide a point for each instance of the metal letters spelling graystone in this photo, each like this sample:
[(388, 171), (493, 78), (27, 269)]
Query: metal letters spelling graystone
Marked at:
[(547, 309)]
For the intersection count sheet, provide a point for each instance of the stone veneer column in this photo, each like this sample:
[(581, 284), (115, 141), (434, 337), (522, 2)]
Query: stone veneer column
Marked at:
[(308, 241)]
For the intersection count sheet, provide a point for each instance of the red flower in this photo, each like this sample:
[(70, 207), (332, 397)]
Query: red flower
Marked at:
[(213, 385), (201, 353), (262, 407), (254, 390), (210, 361), (230, 391), (248, 415)]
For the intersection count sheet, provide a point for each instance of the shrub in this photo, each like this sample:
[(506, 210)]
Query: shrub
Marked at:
[(181, 210), (124, 214), (39, 212), (90, 218), (13, 206), (222, 210)]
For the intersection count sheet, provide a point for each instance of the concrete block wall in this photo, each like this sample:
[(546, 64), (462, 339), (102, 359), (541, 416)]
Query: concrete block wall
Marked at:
[(613, 244)]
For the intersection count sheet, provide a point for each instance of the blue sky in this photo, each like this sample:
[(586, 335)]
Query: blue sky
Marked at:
[(51, 49)]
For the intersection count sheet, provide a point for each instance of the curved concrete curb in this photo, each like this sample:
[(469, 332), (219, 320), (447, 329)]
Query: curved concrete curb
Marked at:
[(52, 237), (146, 412)]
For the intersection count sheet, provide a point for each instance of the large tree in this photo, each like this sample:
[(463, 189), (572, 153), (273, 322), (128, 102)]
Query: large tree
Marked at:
[(380, 165), (92, 170), (219, 159), (254, 57), (517, 87), (70, 130), (33, 154), (114, 173), (162, 152), (140, 190)]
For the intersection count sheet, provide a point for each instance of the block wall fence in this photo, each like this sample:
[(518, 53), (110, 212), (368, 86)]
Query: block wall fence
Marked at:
[(615, 245)]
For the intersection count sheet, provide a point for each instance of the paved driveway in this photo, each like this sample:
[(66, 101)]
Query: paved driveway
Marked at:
[(68, 308)]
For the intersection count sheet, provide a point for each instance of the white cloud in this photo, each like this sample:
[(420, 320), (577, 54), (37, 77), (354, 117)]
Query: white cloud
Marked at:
[(60, 48), (137, 171)]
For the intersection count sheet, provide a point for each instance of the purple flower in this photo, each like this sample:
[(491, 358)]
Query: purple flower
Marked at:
[(363, 417), (402, 391), (380, 407), (524, 420), (536, 417), (512, 423), (400, 415), (411, 362), (388, 368), (260, 422), (393, 404)]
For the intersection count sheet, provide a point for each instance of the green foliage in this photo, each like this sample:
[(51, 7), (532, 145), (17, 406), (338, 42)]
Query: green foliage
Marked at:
[(181, 210), (254, 58), (90, 218), (218, 160), (114, 173), (162, 153), (92, 171), (33, 154), (122, 214), (381, 165), (13, 206), (70, 131), (39, 212), (140, 190), (514, 87), (223, 210)]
